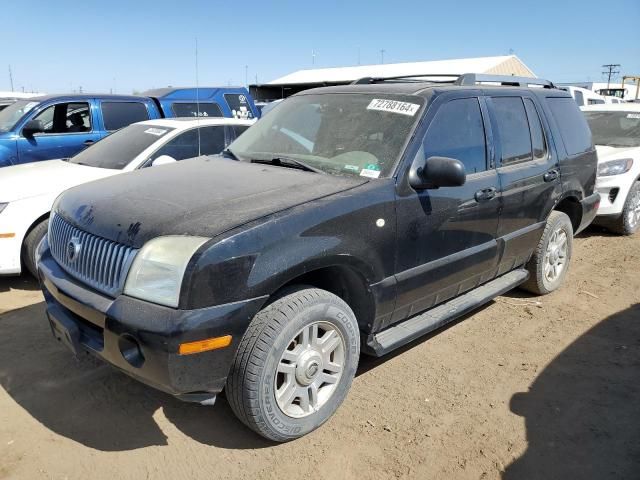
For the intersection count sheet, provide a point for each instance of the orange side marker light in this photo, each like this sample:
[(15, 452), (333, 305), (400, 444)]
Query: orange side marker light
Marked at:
[(204, 345)]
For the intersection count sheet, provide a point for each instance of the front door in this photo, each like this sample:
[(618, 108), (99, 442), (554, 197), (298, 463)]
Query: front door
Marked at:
[(68, 128), (447, 236)]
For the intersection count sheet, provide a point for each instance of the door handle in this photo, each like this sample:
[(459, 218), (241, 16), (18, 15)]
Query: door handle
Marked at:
[(485, 194), (551, 175), (88, 142)]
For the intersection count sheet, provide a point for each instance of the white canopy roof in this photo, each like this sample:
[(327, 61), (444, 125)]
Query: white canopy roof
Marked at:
[(502, 65)]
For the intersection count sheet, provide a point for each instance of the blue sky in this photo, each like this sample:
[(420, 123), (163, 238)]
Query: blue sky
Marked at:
[(57, 46)]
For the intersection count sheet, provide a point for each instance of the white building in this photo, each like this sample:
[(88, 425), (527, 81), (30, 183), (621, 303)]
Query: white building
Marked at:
[(318, 77)]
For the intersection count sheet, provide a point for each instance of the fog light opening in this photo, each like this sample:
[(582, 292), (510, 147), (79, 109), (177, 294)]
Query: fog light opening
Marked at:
[(613, 194), (130, 350)]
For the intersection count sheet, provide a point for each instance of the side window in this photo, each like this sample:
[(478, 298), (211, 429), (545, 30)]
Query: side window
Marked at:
[(579, 97), (572, 124), (212, 140), (185, 145), (184, 109), (537, 135), (120, 114), (239, 105), (66, 118), (457, 131), (513, 128)]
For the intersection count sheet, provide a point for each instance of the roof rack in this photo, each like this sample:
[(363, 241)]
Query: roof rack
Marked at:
[(464, 79)]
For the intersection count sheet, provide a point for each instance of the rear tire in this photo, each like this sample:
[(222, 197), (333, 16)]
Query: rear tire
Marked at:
[(550, 261), (30, 246), (629, 222), (295, 364)]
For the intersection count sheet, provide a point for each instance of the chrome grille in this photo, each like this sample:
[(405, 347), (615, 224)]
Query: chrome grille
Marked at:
[(98, 262)]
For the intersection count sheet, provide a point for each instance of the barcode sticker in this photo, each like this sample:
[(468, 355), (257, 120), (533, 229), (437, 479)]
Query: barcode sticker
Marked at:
[(394, 106)]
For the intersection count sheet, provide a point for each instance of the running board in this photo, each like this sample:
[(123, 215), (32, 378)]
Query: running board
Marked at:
[(414, 327)]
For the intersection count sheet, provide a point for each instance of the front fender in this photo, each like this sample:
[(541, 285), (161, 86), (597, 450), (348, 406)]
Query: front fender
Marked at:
[(341, 230), (8, 152)]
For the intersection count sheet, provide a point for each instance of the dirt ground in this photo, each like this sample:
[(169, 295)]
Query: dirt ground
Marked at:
[(525, 388)]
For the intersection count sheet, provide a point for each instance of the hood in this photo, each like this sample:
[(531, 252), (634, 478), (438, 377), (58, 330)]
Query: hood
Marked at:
[(606, 152), (40, 178), (206, 197)]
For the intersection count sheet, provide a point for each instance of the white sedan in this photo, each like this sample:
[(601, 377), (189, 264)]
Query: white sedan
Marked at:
[(28, 191), (616, 134)]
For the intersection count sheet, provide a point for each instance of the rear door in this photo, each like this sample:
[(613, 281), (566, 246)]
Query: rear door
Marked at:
[(447, 236), (69, 127), (528, 172), (117, 114)]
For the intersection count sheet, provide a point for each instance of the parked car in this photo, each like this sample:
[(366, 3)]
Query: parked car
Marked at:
[(616, 133), (355, 217), (232, 102), (583, 96), (58, 126), (28, 191)]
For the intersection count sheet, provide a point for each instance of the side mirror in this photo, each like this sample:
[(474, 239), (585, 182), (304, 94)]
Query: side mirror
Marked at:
[(163, 160), (437, 172), (32, 127)]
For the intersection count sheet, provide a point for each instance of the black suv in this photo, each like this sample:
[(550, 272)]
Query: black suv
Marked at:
[(349, 219)]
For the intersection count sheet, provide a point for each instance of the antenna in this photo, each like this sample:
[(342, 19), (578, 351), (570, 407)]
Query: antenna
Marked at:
[(10, 78), (197, 99), (382, 50)]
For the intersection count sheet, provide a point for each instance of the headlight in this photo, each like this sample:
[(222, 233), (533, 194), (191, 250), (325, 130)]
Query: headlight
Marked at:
[(3, 206), (615, 167), (157, 271)]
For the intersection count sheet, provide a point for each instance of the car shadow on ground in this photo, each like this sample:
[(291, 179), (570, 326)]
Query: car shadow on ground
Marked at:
[(582, 413), (94, 404), (23, 282)]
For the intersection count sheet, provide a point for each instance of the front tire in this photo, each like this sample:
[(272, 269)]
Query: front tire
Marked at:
[(629, 221), (550, 261), (295, 364), (30, 245)]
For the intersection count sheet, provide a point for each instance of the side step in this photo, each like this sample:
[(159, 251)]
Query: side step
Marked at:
[(398, 335)]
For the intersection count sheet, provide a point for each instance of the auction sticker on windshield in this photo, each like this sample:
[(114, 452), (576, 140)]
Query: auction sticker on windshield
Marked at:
[(158, 132), (394, 106)]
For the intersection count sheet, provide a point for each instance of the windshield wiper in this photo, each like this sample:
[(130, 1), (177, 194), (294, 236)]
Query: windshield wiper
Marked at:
[(289, 162)]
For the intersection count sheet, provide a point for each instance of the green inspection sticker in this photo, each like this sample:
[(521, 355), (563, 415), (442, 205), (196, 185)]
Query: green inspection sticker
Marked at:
[(372, 166)]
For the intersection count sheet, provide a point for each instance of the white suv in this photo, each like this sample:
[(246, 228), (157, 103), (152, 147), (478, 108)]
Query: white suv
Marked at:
[(616, 134)]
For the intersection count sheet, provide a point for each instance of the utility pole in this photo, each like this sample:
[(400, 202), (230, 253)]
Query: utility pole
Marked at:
[(382, 55), (10, 78), (313, 57), (358, 54), (611, 71)]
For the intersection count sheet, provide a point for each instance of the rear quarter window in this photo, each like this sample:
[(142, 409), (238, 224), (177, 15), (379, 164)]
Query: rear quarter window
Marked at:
[(192, 109), (572, 125)]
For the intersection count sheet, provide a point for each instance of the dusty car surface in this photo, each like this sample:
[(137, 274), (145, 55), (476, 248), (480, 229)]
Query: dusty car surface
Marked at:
[(353, 219)]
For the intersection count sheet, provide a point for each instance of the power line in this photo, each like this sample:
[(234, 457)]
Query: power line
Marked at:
[(611, 71)]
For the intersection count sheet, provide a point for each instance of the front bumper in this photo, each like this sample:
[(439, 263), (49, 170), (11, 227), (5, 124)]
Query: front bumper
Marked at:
[(589, 206), (614, 190), (142, 339)]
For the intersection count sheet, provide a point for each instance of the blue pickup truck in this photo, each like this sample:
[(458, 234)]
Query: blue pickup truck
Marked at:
[(58, 126)]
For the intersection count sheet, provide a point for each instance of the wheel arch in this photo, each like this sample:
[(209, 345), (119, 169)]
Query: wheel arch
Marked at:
[(570, 205), (343, 280)]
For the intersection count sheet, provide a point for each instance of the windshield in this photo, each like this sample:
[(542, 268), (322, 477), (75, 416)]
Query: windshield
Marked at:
[(344, 134), (13, 113), (118, 149), (615, 129)]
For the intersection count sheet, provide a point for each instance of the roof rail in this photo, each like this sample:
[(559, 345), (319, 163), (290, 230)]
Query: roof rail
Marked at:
[(504, 80), (410, 78), (458, 79)]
